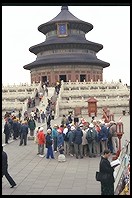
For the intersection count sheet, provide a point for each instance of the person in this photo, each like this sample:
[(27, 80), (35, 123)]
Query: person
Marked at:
[(54, 136), (6, 130), (77, 140), (41, 141), (5, 169), (48, 120), (66, 138), (60, 142), (23, 133), (31, 125), (103, 136), (71, 144), (107, 187), (49, 142), (114, 138), (91, 137), (19, 115), (36, 138)]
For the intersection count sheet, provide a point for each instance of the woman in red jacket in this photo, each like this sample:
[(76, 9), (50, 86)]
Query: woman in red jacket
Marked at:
[(41, 141)]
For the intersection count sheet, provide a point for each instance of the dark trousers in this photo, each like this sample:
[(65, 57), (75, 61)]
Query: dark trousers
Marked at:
[(50, 152), (107, 189), (6, 138), (9, 178), (23, 137), (55, 143)]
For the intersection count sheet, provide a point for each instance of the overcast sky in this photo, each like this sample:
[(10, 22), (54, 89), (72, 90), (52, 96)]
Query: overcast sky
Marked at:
[(111, 28)]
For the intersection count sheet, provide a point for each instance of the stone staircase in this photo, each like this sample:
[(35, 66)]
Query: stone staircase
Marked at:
[(44, 102), (113, 95), (14, 97)]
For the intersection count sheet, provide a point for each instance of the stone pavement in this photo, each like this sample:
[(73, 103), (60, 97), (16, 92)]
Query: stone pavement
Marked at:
[(41, 176)]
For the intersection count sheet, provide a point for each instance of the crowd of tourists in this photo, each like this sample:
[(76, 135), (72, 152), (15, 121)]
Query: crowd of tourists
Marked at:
[(80, 138), (74, 136)]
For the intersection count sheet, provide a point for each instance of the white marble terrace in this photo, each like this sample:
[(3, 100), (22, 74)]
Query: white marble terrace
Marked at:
[(14, 97), (113, 95)]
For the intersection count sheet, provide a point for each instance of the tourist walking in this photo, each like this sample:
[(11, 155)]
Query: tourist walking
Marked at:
[(5, 169)]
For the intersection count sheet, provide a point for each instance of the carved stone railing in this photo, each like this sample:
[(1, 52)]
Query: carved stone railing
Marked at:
[(75, 94), (15, 96)]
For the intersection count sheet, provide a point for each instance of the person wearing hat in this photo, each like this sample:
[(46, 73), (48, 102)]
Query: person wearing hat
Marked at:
[(103, 136), (49, 142), (71, 144), (91, 137)]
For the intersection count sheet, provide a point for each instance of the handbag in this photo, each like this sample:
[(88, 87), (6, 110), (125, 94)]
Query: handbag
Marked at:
[(102, 177), (98, 176)]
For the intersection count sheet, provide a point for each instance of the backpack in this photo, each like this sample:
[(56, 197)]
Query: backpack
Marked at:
[(89, 136), (66, 138)]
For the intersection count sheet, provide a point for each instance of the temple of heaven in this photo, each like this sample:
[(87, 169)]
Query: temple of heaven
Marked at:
[(66, 54)]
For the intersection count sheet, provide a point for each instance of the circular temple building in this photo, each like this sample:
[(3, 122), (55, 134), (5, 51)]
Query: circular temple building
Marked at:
[(66, 54)]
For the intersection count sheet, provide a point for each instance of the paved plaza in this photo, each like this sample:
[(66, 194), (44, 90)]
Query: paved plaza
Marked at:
[(41, 176)]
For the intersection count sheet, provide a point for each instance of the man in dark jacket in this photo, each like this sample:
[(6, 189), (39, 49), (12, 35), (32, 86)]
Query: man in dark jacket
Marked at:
[(77, 140), (23, 133), (91, 137), (6, 131), (5, 169), (107, 186)]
